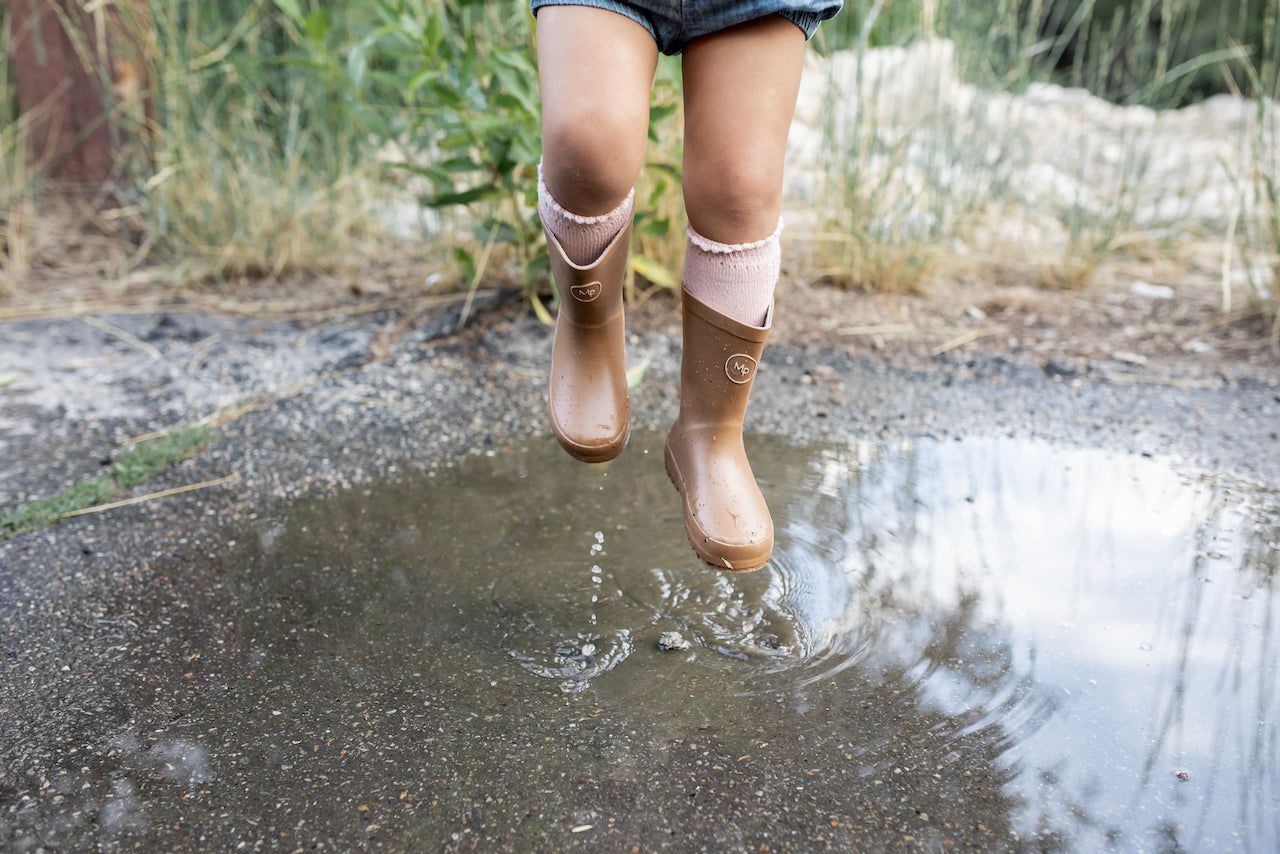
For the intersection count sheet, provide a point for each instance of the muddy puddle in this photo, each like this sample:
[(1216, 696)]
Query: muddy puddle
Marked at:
[(986, 643)]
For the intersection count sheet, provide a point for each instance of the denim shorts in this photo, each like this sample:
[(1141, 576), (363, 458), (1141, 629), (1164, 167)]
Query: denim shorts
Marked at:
[(675, 23)]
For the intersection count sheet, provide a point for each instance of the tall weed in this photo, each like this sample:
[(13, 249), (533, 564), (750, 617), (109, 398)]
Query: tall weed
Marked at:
[(1264, 278), (259, 166), (953, 162), (18, 177), (1260, 238), (907, 160)]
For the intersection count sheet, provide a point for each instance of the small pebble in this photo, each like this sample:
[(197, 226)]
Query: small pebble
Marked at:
[(672, 642), (1129, 358)]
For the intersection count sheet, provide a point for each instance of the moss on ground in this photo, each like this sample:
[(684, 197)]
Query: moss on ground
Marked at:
[(130, 467)]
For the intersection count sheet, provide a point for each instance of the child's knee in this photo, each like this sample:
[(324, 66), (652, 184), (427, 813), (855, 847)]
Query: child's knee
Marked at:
[(733, 205), (591, 160)]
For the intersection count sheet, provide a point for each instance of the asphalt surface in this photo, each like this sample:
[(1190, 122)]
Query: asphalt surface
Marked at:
[(121, 629)]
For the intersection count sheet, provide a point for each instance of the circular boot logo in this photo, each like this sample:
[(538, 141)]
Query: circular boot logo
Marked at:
[(586, 293), (740, 368)]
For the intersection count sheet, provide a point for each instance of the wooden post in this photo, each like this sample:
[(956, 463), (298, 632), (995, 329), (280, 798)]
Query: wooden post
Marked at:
[(72, 67)]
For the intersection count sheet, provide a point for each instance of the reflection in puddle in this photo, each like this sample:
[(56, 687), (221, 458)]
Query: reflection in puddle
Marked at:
[(1073, 647), (1115, 622)]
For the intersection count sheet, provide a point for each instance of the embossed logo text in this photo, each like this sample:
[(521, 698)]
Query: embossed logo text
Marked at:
[(740, 368), (586, 293)]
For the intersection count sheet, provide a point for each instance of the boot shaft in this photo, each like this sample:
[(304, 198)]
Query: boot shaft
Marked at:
[(718, 366), (590, 295)]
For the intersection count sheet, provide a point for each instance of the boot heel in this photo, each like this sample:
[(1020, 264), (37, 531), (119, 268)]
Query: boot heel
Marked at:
[(673, 471)]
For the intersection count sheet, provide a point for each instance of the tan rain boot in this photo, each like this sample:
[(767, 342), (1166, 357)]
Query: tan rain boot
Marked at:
[(725, 515), (590, 406)]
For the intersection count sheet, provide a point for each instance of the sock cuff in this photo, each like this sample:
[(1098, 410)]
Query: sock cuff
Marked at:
[(548, 201), (736, 280), (582, 238), (706, 244)]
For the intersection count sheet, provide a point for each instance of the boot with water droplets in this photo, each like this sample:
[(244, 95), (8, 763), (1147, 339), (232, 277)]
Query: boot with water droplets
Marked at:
[(725, 515), (589, 403)]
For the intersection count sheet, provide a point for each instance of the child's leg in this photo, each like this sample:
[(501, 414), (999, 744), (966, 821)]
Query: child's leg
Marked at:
[(596, 69), (740, 89), (740, 92)]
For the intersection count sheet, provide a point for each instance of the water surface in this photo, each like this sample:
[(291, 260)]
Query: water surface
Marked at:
[(986, 643)]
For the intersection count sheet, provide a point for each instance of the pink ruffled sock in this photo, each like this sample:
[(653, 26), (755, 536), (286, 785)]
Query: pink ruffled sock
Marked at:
[(583, 238), (736, 280)]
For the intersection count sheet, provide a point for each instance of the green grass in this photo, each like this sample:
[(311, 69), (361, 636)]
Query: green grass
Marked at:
[(130, 468), (1160, 53), (258, 164)]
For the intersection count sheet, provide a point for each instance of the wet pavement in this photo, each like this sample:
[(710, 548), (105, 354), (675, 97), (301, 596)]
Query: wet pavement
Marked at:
[(1005, 613)]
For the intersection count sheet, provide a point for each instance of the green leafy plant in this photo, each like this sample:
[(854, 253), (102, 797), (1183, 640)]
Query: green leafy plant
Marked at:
[(453, 86), (658, 238)]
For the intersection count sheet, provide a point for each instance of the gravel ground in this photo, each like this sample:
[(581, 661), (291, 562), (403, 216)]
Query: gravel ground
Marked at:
[(354, 398), (110, 620)]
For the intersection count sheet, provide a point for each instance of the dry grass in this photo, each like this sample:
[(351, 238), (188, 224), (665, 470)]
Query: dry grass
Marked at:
[(1260, 237), (251, 187), (930, 164), (259, 220), (17, 181)]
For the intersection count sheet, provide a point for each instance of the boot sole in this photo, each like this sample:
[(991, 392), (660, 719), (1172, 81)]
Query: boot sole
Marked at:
[(596, 454), (739, 558)]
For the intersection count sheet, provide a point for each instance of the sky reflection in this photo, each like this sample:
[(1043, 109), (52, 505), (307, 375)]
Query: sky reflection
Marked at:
[(1113, 619)]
